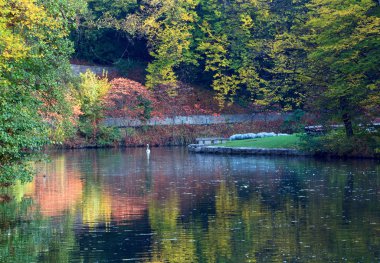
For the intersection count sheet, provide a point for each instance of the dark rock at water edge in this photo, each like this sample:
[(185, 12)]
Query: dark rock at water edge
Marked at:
[(245, 150)]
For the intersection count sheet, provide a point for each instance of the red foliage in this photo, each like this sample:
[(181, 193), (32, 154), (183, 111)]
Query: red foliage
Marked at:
[(124, 98), (180, 101)]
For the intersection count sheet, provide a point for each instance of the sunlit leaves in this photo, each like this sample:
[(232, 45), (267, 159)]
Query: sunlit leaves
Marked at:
[(34, 55), (169, 27), (345, 43)]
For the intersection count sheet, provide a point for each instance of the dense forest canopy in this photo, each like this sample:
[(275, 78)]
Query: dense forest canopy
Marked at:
[(284, 54), (322, 56)]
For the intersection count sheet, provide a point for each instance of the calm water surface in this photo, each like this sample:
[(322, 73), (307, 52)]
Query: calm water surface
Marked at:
[(120, 206)]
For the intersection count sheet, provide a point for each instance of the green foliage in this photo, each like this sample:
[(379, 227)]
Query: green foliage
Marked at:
[(34, 55), (130, 131), (363, 143), (86, 129), (146, 105), (91, 92), (13, 172), (169, 27), (92, 89), (101, 136), (234, 48), (293, 122), (20, 127), (63, 130), (21, 131), (343, 51), (99, 38), (107, 136), (289, 55)]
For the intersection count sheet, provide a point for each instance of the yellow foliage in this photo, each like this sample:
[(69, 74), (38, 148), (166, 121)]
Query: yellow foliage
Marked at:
[(247, 21), (21, 20), (187, 17), (93, 88)]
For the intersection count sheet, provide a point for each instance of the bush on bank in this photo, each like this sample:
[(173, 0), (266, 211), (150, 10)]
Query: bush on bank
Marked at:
[(336, 143)]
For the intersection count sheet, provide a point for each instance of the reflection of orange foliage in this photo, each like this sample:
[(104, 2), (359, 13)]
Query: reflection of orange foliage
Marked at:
[(128, 202), (57, 193), (128, 208)]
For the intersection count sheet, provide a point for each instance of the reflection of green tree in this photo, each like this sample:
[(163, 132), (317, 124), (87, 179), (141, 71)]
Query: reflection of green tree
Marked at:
[(219, 239), (96, 203), (341, 220), (173, 242), (61, 240), (25, 236), (17, 244), (317, 220)]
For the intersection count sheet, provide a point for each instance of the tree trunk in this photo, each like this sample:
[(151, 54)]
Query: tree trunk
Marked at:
[(346, 117), (348, 125), (95, 129)]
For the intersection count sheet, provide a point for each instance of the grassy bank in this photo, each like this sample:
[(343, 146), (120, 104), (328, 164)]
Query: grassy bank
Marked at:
[(288, 142)]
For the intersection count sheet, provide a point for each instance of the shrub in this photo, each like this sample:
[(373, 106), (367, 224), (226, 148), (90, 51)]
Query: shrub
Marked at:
[(91, 93), (86, 129), (293, 123), (19, 171), (128, 98), (335, 142), (107, 136)]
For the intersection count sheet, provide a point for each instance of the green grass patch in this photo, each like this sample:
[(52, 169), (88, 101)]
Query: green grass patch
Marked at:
[(288, 142)]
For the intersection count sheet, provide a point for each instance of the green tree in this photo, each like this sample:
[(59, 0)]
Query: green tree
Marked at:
[(169, 26), (343, 50), (289, 54), (234, 47), (92, 90), (34, 53)]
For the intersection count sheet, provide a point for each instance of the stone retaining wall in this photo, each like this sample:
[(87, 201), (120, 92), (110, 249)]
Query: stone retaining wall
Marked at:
[(193, 120), (98, 70), (196, 148)]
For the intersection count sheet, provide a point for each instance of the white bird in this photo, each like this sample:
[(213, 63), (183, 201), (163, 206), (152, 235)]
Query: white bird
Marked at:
[(147, 149)]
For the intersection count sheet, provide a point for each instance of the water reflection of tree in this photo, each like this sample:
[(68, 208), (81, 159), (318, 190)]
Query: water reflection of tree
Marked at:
[(96, 206), (27, 236), (221, 210), (173, 241), (219, 237), (256, 210), (296, 215)]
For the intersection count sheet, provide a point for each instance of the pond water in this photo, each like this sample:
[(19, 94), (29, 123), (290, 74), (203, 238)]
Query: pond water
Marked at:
[(120, 206)]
